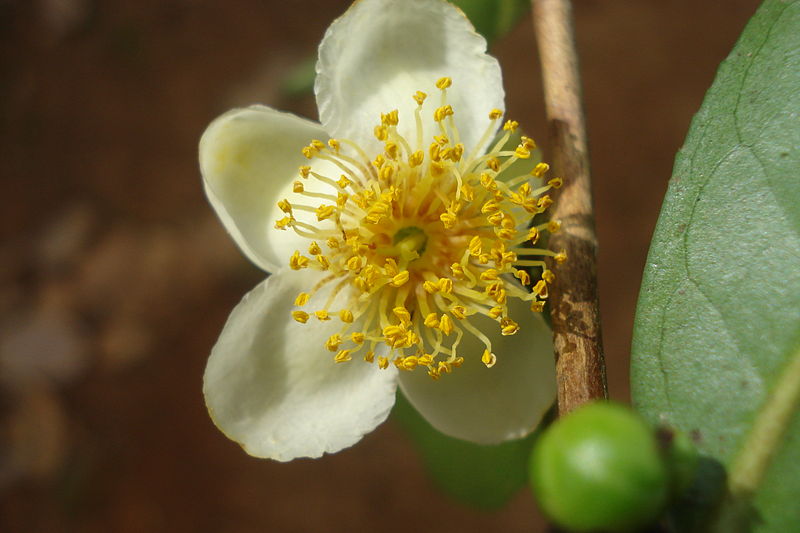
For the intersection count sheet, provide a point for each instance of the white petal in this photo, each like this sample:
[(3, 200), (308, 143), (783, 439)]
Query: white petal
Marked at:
[(249, 159), (380, 52), (491, 405), (272, 386)]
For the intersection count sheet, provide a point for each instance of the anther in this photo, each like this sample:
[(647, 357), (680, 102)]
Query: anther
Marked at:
[(444, 83), (400, 279), (508, 326), (343, 356), (488, 359), (540, 169)]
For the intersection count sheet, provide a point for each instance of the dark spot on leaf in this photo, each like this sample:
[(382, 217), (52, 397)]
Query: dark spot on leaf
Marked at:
[(696, 436)]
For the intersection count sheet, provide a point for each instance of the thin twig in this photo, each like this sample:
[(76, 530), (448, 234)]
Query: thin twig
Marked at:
[(574, 304)]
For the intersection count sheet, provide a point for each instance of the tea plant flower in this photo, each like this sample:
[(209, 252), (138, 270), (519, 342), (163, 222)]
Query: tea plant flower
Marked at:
[(399, 249)]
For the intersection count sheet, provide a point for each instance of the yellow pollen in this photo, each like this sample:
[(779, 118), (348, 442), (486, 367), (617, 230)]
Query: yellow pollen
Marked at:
[(419, 97), (297, 261), (383, 362), (554, 226), (540, 289), (345, 315), (425, 359), (300, 316), (544, 202), (522, 152), (432, 320), (285, 206), (527, 142), (540, 169), (343, 356), (402, 314), (442, 112), (322, 315), (409, 363), (494, 114), (283, 223), (302, 299), (488, 358), (459, 311), (400, 279), (444, 83), (381, 132), (390, 119), (511, 125), (325, 212), (333, 342), (445, 325), (508, 326)]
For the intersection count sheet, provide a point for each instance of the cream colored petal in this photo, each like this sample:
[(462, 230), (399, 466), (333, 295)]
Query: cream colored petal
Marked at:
[(271, 385), (380, 52), (249, 159), (491, 405)]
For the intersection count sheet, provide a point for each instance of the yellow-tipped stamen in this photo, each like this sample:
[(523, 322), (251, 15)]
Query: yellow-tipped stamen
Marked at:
[(419, 238)]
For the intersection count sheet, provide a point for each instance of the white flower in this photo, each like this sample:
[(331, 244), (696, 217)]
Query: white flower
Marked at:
[(395, 254)]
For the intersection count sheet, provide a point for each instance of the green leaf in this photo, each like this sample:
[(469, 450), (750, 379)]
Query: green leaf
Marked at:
[(485, 477), (493, 18), (715, 350)]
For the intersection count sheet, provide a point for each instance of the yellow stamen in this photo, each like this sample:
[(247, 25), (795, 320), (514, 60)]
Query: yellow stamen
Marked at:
[(420, 237)]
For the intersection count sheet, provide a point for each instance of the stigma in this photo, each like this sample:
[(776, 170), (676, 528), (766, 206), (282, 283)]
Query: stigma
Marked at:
[(417, 240)]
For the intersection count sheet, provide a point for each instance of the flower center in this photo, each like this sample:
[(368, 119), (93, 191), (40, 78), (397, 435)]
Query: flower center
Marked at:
[(410, 242), (419, 239)]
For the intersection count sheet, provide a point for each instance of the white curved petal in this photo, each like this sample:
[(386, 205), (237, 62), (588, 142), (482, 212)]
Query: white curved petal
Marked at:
[(491, 405), (380, 52), (272, 386), (249, 159)]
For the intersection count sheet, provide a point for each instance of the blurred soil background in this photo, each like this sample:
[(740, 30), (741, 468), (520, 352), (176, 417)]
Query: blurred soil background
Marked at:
[(115, 277)]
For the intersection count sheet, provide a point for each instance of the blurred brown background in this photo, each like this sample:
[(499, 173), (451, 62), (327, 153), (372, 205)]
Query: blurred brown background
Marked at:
[(115, 277)]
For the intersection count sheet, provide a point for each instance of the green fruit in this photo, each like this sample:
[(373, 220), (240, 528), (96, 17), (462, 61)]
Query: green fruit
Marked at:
[(599, 469)]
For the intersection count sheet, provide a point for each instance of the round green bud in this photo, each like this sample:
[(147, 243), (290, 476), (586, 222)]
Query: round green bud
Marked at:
[(599, 469)]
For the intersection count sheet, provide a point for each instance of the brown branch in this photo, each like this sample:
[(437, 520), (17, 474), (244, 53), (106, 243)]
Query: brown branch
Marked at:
[(574, 304)]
